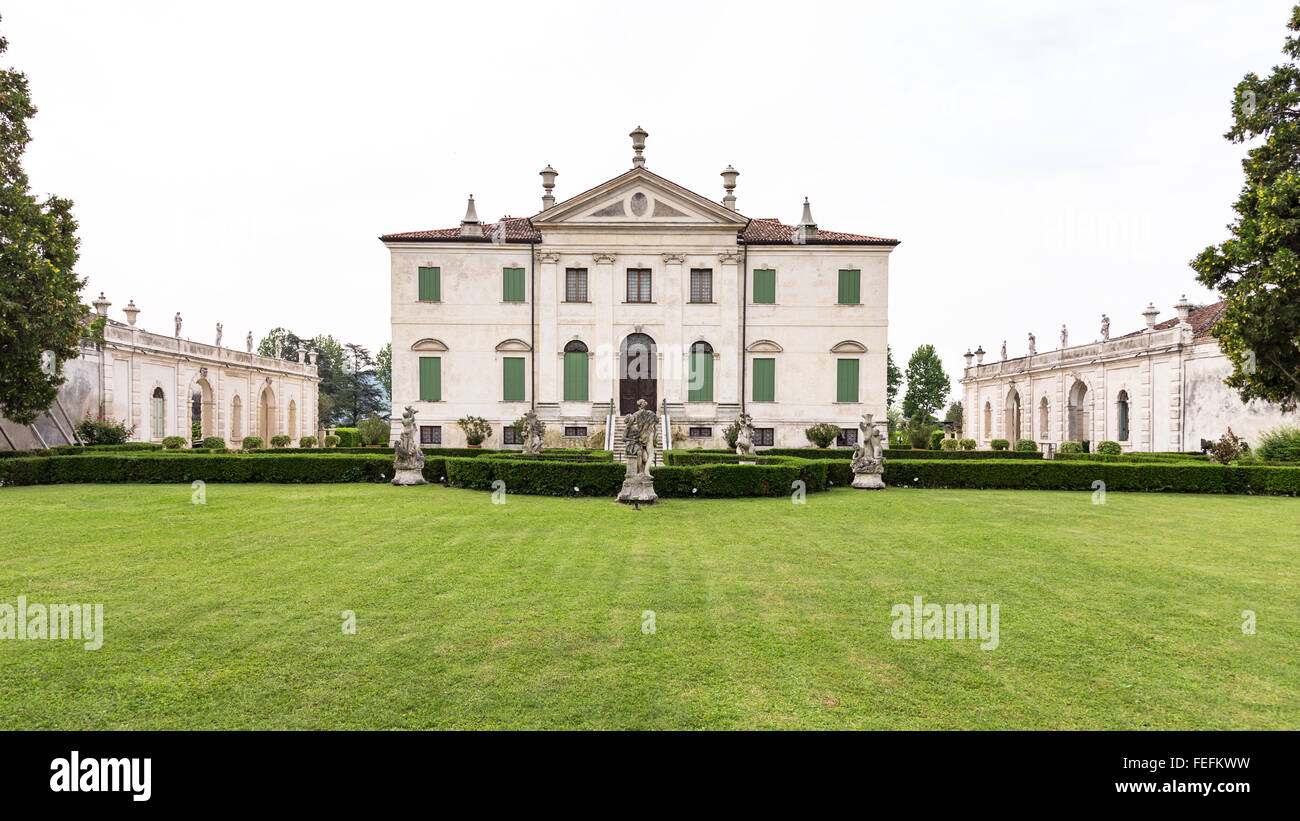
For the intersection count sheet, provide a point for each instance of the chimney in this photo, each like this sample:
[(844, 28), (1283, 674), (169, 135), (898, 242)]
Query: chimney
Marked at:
[(638, 136), (548, 186), (1184, 309), (470, 227), (806, 229), (969, 356), (131, 311), (101, 305), (729, 185), (979, 355)]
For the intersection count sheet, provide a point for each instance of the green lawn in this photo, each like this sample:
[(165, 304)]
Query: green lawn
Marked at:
[(529, 614)]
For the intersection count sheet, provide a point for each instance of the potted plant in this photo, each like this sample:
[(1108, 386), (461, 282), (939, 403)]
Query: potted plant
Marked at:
[(476, 429)]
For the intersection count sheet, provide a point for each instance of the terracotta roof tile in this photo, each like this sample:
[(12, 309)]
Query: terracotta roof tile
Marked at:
[(771, 231), (1201, 319), (518, 229)]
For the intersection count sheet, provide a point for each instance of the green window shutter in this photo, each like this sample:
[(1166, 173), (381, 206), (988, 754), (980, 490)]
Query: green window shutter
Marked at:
[(430, 284), (575, 377), (430, 379), (764, 286), (851, 287), (764, 380), (512, 284), (512, 378), (846, 381), (701, 376)]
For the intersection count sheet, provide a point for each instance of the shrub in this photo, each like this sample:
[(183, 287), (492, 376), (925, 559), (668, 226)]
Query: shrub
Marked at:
[(823, 434), (967, 444), (214, 443), (280, 440), (173, 442), (196, 431), (251, 442), (948, 444), (772, 476), (476, 429), (373, 431), (1280, 445), (101, 431), (936, 439), (161, 467), (1181, 477), (307, 442), (1229, 448), (331, 441), (999, 444), (1109, 448), (348, 437), (544, 477), (730, 433), (1026, 445), (1070, 447)]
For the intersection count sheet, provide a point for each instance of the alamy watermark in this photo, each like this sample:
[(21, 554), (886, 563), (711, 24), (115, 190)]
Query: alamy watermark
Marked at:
[(77, 622), (918, 620)]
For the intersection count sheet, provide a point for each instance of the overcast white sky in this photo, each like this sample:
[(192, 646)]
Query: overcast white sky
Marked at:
[(1041, 162)]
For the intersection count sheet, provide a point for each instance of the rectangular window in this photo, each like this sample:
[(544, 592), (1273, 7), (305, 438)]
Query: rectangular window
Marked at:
[(848, 438), (431, 379), (512, 379), (510, 436), (638, 284), (763, 437), (512, 284), (575, 377), (700, 388), (574, 430), (700, 433), (851, 287), (846, 380), (764, 380), (430, 284), (701, 285), (764, 286), (430, 434), (575, 285)]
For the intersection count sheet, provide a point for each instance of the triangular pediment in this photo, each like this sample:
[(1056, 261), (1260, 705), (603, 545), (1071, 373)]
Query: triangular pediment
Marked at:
[(640, 197)]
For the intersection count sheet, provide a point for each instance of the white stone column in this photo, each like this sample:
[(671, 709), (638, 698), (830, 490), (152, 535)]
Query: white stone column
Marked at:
[(604, 292), (547, 348), (727, 293), (672, 375)]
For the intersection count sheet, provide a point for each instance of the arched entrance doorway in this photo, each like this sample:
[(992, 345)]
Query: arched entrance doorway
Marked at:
[(637, 372), (1079, 419), (266, 416), (203, 409)]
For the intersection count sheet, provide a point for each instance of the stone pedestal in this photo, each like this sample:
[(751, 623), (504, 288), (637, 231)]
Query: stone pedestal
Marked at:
[(868, 481), (639, 488), (408, 476)]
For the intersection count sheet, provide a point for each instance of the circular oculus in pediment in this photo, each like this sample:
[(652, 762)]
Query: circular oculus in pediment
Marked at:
[(639, 204)]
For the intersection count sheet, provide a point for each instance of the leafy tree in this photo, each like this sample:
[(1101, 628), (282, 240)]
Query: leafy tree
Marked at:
[(362, 395), (384, 369), (1258, 270), (927, 384), (40, 306), (953, 416), (893, 377), (328, 358), (289, 342)]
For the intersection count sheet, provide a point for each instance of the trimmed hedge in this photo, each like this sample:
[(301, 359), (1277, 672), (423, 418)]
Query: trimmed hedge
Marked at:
[(719, 474), (67, 450), (348, 437), (847, 453), (1178, 477), (535, 476), (1135, 456), (113, 468)]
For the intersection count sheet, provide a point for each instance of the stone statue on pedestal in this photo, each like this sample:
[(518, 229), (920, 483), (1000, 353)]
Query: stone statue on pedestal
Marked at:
[(745, 436), (1105, 327), (408, 459), (639, 434), (248, 340), (530, 432), (1033, 344), (868, 456), (218, 335), (178, 324), (1004, 349), (1065, 336)]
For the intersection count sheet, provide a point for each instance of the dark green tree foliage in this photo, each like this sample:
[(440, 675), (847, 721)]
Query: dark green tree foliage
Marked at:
[(362, 395), (40, 307), (384, 370), (893, 377), (927, 384), (1257, 270)]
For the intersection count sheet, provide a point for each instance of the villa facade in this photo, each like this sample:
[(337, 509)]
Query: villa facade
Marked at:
[(638, 289)]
